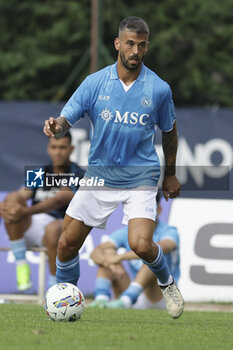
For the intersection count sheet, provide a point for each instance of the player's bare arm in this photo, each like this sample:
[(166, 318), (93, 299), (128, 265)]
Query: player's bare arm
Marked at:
[(100, 253), (104, 255), (167, 245), (14, 199), (13, 212), (171, 186), (56, 127), (21, 195), (117, 258), (170, 142)]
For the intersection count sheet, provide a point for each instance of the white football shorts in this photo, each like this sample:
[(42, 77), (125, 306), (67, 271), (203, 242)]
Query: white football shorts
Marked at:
[(35, 233), (93, 207)]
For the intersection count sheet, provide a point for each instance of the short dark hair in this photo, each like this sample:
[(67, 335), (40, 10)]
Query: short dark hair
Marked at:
[(68, 134), (134, 24)]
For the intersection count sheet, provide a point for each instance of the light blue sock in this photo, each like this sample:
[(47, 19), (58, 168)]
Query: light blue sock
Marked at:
[(160, 268), (19, 249), (51, 280), (133, 292), (102, 288), (68, 271)]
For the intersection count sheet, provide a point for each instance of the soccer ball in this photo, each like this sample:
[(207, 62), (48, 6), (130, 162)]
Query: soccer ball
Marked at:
[(64, 302)]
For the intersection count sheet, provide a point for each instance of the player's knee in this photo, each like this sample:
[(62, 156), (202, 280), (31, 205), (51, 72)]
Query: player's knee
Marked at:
[(65, 249), (52, 233), (66, 243), (141, 247), (63, 244), (138, 246), (10, 197)]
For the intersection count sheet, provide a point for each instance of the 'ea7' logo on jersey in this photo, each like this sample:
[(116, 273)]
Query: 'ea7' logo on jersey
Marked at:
[(126, 118), (103, 97)]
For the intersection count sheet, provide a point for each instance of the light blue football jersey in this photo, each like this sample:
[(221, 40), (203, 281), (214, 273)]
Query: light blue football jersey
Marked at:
[(123, 125), (120, 239)]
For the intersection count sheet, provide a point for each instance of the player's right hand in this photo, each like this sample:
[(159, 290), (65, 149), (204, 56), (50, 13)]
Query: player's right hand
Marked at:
[(12, 212), (52, 127)]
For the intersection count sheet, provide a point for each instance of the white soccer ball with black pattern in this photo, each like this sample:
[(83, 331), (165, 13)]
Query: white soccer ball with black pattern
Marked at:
[(64, 302)]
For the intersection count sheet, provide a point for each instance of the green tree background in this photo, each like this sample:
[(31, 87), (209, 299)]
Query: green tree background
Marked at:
[(43, 42)]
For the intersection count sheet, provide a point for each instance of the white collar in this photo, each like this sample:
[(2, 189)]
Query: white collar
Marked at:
[(127, 87)]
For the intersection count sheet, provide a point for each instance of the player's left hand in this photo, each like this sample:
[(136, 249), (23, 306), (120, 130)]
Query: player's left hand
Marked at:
[(171, 187), (12, 212)]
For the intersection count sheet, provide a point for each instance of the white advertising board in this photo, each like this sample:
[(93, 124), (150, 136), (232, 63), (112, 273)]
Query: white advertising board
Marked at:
[(206, 248)]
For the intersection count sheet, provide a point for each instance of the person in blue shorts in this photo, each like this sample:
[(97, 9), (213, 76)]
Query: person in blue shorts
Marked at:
[(143, 292), (40, 224), (125, 102)]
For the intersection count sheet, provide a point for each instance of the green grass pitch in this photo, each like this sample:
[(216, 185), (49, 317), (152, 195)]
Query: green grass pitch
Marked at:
[(28, 327)]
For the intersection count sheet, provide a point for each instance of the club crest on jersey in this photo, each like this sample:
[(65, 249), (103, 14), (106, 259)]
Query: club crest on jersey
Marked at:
[(146, 101)]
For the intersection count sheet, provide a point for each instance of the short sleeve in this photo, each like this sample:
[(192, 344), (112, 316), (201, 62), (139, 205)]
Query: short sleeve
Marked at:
[(78, 104), (171, 233), (166, 113), (120, 237)]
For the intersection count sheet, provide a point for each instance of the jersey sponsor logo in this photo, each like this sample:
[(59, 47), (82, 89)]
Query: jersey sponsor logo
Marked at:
[(131, 118), (146, 101), (126, 118)]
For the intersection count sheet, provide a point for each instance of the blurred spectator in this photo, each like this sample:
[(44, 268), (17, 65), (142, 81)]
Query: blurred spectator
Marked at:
[(143, 292), (40, 224)]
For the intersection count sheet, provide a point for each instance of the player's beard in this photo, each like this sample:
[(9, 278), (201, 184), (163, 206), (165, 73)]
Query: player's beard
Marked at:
[(129, 66)]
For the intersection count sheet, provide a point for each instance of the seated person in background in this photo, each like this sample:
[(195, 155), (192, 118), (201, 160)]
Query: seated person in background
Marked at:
[(143, 292), (41, 223)]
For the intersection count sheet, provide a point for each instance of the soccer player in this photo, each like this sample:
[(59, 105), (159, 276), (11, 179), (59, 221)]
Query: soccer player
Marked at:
[(125, 103), (41, 223), (143, 292)]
